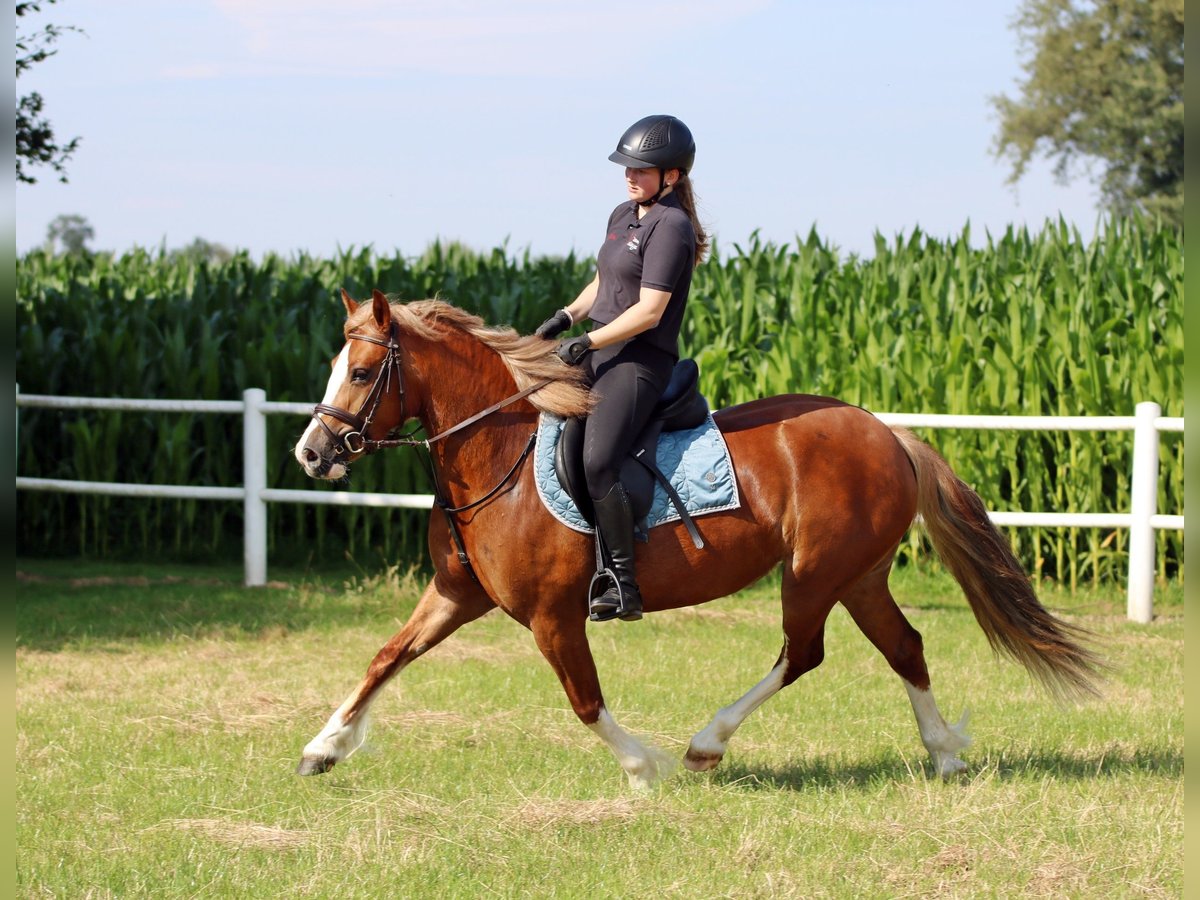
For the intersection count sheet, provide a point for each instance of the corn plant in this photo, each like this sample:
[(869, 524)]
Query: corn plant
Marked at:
[(1020, 323)]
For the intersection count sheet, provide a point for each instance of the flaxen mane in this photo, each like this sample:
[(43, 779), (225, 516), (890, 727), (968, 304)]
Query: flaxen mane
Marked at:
[(529, 359)]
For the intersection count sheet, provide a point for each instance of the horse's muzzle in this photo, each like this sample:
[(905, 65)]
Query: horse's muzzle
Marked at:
[(316, 465)]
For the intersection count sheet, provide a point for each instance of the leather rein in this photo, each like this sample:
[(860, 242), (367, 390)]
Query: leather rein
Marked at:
[(356, 440)]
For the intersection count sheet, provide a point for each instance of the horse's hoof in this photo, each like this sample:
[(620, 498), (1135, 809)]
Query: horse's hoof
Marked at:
[(949, 767), (314, 765), (696, 761)]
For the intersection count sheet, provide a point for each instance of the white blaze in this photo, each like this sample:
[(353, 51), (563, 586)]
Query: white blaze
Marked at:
[(341, 371)]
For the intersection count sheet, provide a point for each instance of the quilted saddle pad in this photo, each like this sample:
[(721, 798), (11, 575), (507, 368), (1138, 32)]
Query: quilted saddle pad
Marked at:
[(695, 461)]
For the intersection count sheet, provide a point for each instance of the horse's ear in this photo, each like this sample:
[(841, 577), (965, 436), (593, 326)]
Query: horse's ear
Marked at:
[(348, 302), (381, 309)]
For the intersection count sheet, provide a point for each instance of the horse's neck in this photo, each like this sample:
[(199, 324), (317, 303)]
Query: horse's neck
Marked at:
[(462, 377)]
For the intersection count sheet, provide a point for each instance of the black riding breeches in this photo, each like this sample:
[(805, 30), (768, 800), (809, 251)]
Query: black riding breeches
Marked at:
[(627, 381)]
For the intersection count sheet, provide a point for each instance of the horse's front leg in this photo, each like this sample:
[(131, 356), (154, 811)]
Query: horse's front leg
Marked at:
[(437, 616), (563, 641)]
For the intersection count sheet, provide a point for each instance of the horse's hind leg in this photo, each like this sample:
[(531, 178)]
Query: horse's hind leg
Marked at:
[(804, 614), (436, 617), (874, 610), (708, 746)]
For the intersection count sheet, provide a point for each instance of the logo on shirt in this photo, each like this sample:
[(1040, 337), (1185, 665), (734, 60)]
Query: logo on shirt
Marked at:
[(633, 246)]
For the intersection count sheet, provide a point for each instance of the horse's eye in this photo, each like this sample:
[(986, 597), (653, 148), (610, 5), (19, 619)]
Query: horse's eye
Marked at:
[(359, 376)]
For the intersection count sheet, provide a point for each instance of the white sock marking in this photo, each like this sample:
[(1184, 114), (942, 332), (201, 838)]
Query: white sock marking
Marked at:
[(708, 746), (337, 740), (643, 765), (943, 741)]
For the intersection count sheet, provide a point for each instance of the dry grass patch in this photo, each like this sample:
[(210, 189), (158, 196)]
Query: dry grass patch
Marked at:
[(1058, 878), (542, 814), (367, 846), (242, 715), (953, 859), (242, 834)]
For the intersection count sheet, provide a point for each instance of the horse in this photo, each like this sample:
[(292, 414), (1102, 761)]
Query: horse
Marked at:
[(827, 490)]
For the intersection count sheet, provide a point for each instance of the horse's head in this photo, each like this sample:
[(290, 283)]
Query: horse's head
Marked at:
[(364, 399)]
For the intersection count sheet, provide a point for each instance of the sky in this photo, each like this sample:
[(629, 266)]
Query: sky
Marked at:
[(292, 126)]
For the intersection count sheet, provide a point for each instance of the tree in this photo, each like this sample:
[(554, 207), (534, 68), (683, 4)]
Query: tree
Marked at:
[(35, 141), (1104, 85), (72, 231), (201, 250)]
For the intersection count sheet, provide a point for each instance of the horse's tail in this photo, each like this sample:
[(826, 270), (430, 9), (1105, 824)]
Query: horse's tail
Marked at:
[(1000, 593)]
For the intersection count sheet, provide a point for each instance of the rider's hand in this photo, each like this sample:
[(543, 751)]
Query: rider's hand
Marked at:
[(572, 350), (555, 325)]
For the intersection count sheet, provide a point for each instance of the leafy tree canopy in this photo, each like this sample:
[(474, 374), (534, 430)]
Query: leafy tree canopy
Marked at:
[(1104, 85), (35, 141), (72, 232)]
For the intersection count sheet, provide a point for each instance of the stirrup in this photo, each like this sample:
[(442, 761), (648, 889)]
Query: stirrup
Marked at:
[(603, 607)]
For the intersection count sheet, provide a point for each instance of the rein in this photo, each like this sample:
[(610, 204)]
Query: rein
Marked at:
[(356, 440), (408, 441)]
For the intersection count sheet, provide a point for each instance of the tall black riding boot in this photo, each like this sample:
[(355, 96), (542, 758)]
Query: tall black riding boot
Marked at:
[(614, 521)]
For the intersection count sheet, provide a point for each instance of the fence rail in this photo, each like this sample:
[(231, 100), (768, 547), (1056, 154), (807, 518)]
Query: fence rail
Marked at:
[(1142, 520)]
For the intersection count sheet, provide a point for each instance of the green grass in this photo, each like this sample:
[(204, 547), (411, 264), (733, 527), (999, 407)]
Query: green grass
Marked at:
[(161, 712)]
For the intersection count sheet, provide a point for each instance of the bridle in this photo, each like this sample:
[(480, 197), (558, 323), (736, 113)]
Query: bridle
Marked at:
[(356, 441)]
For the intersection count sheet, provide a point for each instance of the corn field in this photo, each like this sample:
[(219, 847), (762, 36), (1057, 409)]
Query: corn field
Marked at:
[(1027, 323)]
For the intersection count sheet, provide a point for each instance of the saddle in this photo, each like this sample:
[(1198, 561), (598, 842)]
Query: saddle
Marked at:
[(681, 407)]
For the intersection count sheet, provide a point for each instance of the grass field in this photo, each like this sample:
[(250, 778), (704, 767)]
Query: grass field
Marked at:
[(161, 711)]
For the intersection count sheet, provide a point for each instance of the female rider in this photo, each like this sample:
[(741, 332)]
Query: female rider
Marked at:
[(636, 303)]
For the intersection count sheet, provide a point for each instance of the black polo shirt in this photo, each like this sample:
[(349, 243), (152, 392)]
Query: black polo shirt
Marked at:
[(657, 251)]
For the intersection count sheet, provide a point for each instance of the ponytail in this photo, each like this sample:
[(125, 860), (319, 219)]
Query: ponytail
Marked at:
[(687, 200)]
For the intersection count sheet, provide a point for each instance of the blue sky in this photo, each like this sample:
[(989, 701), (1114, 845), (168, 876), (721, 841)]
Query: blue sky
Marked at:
[(296, 125)]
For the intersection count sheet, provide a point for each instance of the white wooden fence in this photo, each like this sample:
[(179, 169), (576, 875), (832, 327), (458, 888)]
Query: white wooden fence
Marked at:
[(1142, 519)]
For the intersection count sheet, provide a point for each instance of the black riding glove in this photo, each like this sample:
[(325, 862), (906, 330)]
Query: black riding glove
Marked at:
[(555, 325), (572, 350)]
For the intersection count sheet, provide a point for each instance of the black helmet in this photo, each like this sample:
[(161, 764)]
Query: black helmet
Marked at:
[(661, 142)]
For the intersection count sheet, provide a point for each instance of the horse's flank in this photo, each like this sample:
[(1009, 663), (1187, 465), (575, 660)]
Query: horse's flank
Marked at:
[(529, 359)]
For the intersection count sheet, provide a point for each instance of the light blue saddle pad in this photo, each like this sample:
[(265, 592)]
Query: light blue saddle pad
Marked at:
[(696, 462)]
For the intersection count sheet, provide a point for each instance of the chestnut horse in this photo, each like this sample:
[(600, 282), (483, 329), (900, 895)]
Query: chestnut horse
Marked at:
[(828, 492)]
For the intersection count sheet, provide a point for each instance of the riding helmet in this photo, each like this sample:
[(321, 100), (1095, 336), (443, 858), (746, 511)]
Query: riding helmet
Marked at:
[(661, 142)]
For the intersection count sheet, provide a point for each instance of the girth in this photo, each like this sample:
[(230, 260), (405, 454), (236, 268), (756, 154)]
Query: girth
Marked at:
[(681, 406)]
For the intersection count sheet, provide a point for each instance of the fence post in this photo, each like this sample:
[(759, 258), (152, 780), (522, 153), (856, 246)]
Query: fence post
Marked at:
[(254, 482), (1143, 484)]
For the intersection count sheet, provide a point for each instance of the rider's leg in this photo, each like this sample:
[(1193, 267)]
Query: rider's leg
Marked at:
[(627, 386), (614, 519)]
